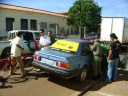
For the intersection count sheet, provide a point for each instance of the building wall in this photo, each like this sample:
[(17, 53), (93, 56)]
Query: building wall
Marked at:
[(18, 15)]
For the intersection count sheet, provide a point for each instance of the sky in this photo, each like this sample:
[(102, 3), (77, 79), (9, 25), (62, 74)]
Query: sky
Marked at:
[(110, 8)]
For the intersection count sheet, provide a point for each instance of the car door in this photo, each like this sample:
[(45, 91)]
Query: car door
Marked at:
[(86, 54), (29, 43), (37, 36)]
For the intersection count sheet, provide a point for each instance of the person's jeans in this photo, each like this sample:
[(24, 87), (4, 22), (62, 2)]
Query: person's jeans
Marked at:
[(112, 70)]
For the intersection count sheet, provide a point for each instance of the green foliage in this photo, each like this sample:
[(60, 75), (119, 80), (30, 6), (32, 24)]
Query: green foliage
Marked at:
[(85, 13)]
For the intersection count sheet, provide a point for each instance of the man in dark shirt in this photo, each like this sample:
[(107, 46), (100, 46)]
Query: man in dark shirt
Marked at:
[(51, 37), (113, 59)]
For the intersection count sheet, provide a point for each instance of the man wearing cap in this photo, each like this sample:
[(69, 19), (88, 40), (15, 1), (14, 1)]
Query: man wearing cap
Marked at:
[(44, 41), (113, 59), (97, 52)]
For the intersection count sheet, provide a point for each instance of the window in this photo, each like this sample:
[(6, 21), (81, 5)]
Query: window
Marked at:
[(37, 36), (12, 36), (33, 24), (27, 36), (43, 25), (24, 24), (85, 50), (9, 24)]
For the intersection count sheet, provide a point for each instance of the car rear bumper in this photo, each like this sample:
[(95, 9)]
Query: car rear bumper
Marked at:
[(56, 71)]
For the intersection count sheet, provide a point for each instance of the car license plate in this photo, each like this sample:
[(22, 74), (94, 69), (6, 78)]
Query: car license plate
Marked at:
[(47, 61)]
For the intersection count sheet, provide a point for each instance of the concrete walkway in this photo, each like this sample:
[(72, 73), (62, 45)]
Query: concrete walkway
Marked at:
[(118, 88)]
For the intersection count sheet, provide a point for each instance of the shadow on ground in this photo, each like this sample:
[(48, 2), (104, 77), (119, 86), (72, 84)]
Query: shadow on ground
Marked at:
[(33, 75), (72, 83), (3, 84), (122, 76), (14, 79)]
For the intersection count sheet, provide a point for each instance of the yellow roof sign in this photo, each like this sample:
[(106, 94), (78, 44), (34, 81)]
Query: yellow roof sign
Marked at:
[(66, 45)]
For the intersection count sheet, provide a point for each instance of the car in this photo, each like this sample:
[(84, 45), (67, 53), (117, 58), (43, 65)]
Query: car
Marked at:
[(30, 42), (91, 36), (67, 58)]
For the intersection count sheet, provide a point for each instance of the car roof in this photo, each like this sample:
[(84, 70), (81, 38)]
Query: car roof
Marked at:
[(23, 31), (78, 40)]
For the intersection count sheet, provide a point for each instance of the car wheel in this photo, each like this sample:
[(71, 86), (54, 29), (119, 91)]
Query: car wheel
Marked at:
[(82, 75)]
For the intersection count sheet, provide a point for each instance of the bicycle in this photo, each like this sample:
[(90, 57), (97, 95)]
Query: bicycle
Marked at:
[(7, 66)]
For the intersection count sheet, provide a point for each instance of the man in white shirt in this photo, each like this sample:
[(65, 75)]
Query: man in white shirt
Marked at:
[(44, 41), (16, 50)]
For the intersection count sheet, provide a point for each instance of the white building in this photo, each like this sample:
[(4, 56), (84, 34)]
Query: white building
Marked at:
[(22, 18)]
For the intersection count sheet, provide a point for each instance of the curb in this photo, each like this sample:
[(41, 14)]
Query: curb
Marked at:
[(85, 89)]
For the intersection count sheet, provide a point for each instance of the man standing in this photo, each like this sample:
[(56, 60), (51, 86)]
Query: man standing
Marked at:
[(113, 59), (52, 39), (97, 52), (16, 51), (44, 41)]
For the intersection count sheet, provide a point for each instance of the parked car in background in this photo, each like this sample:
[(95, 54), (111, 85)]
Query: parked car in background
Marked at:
[(67, 58), (91, 36), (30, 42)]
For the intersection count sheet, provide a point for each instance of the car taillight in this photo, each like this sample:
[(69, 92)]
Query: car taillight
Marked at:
[(37, 57), (63, 64)]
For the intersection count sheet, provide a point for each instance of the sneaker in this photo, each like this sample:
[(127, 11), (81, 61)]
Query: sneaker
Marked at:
[(107, 81), (113, 80)]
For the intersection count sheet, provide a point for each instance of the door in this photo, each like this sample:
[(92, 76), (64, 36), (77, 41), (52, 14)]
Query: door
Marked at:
[(28, 44)]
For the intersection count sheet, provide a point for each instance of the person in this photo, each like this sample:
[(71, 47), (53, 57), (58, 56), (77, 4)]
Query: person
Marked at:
[(113, 58), (52, 39), (16, 51), (104, 64), (44, 41), (97, 52)]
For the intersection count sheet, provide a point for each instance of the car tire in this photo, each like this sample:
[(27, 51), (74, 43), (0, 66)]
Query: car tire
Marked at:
[(82, 75)]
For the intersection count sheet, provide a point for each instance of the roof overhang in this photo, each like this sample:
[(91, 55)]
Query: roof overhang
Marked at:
[(6, 6)]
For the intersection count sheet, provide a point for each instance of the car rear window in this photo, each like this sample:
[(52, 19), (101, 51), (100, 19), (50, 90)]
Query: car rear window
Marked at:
[(66, 46), (37, 36), (27, 36), (12, 35)]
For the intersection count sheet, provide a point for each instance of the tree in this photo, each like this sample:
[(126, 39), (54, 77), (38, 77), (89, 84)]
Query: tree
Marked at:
[(85, 13)]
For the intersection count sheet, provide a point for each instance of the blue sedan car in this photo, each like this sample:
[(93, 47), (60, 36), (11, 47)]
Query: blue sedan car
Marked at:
[(66, 58)]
